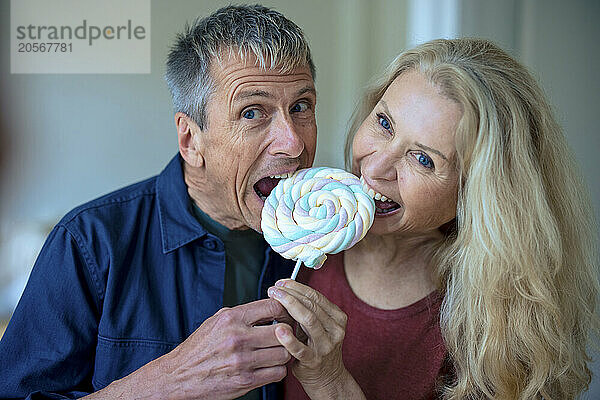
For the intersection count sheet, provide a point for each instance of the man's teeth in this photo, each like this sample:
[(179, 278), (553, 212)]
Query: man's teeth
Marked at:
[(282, 176), (372, 193)]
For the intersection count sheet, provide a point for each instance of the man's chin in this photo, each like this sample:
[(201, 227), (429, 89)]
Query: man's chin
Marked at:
[(254, 210), (255, 225)]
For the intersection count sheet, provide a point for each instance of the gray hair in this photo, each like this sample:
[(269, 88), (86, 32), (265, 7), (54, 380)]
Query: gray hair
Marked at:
[(274, 40)]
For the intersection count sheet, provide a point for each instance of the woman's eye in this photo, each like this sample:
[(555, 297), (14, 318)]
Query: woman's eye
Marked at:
[(253, 113), (299, 107), (424, 160), (385, 124)]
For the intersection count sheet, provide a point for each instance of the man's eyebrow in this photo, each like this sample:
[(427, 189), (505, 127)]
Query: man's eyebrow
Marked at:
[(306, 89), (431, 150), (261, 93), (253, 93)]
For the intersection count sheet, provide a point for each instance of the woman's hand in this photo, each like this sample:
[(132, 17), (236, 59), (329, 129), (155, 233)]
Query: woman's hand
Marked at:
[(318, 361)]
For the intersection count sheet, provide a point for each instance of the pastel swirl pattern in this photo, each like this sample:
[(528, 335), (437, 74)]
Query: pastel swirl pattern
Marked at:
[(315, 212)]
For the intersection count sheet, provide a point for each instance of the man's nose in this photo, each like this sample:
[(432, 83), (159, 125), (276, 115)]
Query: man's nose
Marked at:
[(287, 141)]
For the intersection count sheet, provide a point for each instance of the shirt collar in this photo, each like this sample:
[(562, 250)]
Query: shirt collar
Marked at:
[(178, 225)]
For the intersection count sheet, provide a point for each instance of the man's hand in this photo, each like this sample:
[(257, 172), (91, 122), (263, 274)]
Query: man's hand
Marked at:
[(231, 353)]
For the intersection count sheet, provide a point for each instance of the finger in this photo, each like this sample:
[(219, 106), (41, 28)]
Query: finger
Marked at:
[(297, 349), (315, 296), (336, 329), (270, 357), (249, 380), (331, 308), (306, 317), (261, 312), (328, 323), (332, 318), (269, 375), (300, 334), (262, 337)]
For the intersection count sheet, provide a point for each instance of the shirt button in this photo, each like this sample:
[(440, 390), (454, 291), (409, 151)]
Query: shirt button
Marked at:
[(210, 244)]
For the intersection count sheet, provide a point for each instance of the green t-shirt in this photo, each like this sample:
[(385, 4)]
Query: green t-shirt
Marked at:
[(244, 259)]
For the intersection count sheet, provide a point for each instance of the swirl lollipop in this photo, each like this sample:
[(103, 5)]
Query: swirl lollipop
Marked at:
[(314, 212)]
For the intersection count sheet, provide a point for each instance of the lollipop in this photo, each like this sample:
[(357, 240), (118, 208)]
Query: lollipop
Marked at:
[(314, 212)]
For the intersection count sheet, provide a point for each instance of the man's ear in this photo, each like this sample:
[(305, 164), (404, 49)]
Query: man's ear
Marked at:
[(189, 145)]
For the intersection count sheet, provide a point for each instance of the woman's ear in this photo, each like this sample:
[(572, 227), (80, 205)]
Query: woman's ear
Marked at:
[(189, 145)]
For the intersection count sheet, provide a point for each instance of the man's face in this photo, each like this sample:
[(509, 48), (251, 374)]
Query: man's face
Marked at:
[(260, 124)]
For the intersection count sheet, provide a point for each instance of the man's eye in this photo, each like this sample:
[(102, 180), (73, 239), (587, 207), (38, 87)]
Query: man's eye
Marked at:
[(253, 113), (424, 160), (299, 107)]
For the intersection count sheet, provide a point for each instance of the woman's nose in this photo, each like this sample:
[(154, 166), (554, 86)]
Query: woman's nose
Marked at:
[(379, 166)]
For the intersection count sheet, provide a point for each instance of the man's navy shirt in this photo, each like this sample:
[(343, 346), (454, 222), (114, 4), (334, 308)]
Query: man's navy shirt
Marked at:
[(119, 282)]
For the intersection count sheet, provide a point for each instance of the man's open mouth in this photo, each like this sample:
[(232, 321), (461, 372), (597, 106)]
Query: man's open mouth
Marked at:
[(265, 186)]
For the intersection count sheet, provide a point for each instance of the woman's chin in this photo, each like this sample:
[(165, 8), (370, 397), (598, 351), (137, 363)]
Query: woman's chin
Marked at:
[(386, 224)]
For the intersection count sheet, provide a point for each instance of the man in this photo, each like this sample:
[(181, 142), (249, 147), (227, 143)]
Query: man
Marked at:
[(125, 299)]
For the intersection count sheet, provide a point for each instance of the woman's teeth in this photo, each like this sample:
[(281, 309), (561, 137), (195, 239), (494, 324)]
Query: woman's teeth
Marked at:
[(372, 193)]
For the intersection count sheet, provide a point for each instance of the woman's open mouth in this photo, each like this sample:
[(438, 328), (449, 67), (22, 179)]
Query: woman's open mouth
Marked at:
[(384, 206)]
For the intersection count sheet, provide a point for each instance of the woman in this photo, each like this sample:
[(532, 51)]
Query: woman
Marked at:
[(483, 250)]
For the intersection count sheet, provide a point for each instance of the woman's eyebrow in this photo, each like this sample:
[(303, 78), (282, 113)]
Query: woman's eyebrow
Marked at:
[(431, 150), (387, 110)]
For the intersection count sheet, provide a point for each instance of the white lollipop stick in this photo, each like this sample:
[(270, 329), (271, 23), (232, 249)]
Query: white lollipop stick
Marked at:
[(296, 270), (294, 275)]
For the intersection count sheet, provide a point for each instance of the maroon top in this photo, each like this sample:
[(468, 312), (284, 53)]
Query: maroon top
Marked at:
[(392, 354)]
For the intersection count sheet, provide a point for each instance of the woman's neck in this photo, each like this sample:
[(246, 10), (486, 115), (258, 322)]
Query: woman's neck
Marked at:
[(391, 271)]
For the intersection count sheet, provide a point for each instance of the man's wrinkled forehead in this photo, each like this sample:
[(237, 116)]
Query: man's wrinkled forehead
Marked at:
[(232, 63), (240, 82), (255, 58)]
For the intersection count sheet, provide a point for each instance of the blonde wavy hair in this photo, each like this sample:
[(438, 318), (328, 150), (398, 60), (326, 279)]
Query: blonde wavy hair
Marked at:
[(519, 270)]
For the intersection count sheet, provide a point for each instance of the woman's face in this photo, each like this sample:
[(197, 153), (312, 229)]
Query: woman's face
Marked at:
[(405, 151)]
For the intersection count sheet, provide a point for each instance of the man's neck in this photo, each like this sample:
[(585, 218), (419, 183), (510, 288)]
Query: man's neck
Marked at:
[(203, 195)]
